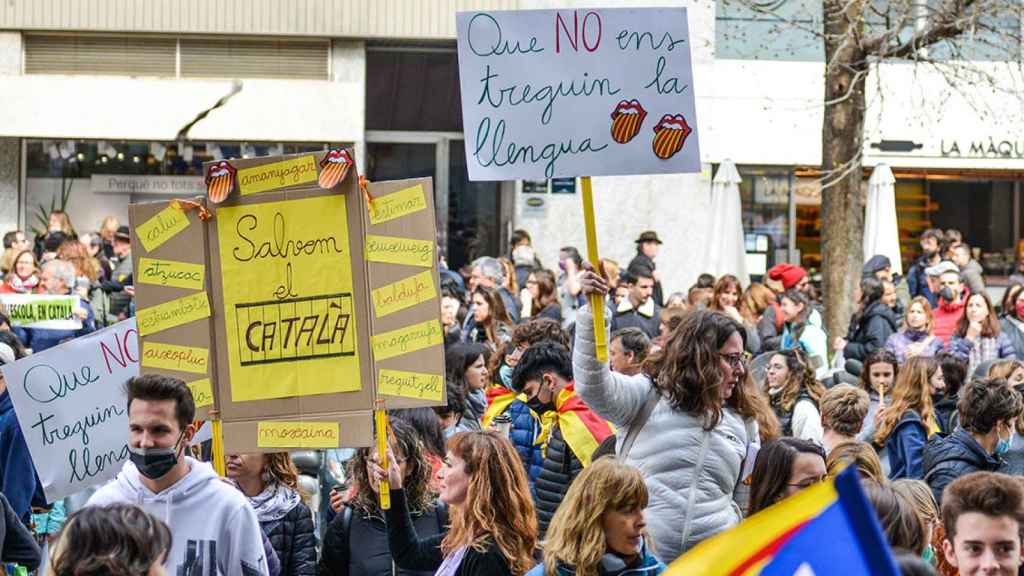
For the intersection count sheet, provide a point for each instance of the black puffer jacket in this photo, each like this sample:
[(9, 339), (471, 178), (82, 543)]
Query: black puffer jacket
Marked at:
[(367, 535), (870, 331), (946, 459), (559, 469), (294, 541)]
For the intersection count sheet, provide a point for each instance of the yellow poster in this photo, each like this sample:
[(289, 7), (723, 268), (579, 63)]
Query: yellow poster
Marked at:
[(398, 204), (171, 273), (202, 392), (174, 357), (267, 177), (173, 313), (293, 434), (288, 308), (410, 384), (404, 293), (393, 250), (407, 339), (163, 226)]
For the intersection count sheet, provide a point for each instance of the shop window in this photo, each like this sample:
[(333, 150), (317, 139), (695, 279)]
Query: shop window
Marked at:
[(764, 195), (413, 90), (783, 30), (983, 212)]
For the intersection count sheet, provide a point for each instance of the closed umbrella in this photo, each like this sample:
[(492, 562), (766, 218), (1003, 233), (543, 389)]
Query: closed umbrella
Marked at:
[(881, 232), (726, 253)]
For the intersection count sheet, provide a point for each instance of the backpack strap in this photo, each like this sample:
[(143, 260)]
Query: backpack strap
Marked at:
[(639, 421)]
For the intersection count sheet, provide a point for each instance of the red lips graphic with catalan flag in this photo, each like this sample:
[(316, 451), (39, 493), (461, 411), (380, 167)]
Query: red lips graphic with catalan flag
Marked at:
[(334, 167), (220, 181)]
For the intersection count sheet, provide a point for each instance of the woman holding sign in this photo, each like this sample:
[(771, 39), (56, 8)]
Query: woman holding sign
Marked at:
[(688, 418), (271, 484), (493, 529)]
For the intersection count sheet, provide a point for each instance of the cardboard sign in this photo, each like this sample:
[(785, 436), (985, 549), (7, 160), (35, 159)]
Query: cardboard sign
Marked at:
[(549, 93), (171, 295), (41, 311), (72, 410)]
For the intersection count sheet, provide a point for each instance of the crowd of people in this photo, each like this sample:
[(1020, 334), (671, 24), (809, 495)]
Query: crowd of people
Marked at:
[(714, 404)]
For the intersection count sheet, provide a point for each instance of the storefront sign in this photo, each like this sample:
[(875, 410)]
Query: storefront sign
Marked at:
[(549, 93), (990, 148), (71, 408), (184, 186)]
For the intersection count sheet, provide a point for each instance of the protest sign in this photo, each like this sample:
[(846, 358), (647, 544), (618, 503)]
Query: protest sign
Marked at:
[(171, 295), (586, 92), (72, 410), (41, 311)]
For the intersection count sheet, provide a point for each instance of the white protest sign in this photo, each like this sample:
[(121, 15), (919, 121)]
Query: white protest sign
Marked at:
[(549, 93), (41, 311), (72, 410)]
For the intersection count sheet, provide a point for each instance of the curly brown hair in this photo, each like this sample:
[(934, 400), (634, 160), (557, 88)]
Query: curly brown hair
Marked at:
[(686, 370), (801, 378), (406, 444)]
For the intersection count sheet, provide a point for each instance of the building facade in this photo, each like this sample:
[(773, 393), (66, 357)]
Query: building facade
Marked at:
[(94, 98)]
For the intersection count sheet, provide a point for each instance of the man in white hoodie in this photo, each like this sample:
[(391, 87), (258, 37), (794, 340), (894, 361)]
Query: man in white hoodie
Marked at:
[(215, 530)]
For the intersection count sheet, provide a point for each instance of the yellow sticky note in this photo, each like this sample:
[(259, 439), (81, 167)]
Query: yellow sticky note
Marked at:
[(398, 204), (410, 384), (392, 250), (162, 227), (173, 357), (277, 175), (202, 392), (173, 313), (407, 339), (289, 312), (404, 293), (171, 273), (294, 434)]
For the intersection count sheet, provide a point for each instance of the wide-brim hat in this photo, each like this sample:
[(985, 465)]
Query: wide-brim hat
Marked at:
[(123, 233), (648, 236)]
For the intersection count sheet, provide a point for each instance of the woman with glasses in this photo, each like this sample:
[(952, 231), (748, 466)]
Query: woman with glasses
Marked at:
[(356, 542), (783, 468), (795, 395), (691, 417)]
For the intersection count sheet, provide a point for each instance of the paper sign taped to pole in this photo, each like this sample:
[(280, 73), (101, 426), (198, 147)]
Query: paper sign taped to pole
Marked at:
[(586, 92), (72, 409)]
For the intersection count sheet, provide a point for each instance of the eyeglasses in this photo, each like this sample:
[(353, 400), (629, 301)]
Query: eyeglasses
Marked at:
[(737, 360)]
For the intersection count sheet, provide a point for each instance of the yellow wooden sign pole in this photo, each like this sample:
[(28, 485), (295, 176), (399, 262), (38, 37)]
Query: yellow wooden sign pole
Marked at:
[(384, 489), (596, 300), (217, 447)]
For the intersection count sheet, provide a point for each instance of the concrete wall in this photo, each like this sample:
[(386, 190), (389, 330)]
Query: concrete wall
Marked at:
[(10, 148)]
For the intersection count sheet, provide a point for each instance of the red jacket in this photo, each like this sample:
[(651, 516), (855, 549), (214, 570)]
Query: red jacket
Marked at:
[(945, 318)]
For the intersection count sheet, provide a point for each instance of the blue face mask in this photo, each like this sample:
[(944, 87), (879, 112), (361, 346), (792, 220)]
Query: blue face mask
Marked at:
[(505, 373), (929, 555), (1003, 446)]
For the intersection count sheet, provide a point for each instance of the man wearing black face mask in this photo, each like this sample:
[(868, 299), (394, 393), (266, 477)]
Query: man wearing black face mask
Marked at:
[(570, 431), (951, 299), (215, 530)]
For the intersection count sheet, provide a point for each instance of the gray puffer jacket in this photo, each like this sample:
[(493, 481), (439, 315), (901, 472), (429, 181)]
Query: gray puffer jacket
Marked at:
[(691, 474)]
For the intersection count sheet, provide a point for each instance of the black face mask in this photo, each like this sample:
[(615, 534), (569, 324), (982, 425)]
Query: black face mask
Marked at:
[(538, 406), (947, 294), (155, 463)]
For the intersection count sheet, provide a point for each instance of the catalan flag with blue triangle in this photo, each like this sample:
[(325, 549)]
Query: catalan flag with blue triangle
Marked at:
[(826, 530)]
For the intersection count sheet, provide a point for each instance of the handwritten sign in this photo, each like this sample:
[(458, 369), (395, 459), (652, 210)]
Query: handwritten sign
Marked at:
[(549, 93), (41, 311), (171, 273), (162, 227), (277, 175), (291, 434), (407, 339), (393, 250), (173, 313), (202, 392), (410, 384), (289, 312), (174, 357), (404, 293), (398, 204), (72, 409)]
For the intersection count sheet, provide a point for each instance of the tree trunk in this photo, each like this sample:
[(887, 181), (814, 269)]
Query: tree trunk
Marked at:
[(842, 204)]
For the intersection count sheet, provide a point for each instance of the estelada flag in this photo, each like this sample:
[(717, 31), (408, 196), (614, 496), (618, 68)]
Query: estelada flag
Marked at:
[(826, 530)]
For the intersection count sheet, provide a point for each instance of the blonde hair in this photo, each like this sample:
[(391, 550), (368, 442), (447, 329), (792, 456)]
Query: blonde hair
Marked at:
[(911, 391), (858, 454), (576, 535), (498, 503), (1003, 369), (920, 495), (281, 469), (843, 409)]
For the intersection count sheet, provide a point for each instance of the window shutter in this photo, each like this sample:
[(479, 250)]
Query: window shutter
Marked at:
[(99, 55), (242, 58)]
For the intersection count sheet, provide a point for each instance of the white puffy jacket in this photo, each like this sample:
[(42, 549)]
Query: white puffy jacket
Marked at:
[(691, 474)]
